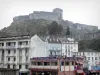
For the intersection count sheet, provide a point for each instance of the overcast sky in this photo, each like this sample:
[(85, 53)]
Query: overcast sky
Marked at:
[(77, 11)]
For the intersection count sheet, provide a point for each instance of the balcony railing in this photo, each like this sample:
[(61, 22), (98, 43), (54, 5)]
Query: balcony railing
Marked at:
[(55, 55), (45, 67), (2, 47), (67, 68), (23, 46), (10, 47), (57, 50)]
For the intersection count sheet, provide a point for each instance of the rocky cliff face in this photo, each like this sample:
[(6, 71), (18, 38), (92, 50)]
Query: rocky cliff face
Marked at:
[(30, 27)]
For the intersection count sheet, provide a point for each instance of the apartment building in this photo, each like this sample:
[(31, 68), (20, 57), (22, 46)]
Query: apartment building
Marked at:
[(14, 52), (92, 56)]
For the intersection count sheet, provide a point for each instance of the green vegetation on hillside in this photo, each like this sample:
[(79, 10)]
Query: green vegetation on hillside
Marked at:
[(31, 27), (55, 29), (90, 44)]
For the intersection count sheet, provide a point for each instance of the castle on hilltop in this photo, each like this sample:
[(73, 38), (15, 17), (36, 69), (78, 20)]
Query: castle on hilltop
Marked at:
[(55, 15)]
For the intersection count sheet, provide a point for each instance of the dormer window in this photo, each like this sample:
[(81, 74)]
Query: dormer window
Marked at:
[(57, 40), (54, 39), (50, 40)]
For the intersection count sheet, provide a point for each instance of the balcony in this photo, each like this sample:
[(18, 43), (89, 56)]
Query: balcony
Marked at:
[(10, 47), (55, 55), (1, 62), (2, 47), (44, 67), (56, 50), (23, 46), (67, 68)]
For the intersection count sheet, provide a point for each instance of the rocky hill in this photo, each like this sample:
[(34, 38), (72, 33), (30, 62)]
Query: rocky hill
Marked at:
[(39, 26)]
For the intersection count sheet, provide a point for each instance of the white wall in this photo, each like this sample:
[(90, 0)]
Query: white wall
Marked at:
[(37, 47)]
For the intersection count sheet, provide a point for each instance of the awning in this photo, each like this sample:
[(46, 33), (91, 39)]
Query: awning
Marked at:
[(79, 62), (80, 71)]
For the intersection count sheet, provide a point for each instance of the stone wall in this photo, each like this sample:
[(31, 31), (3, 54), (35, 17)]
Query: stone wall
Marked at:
[(56, 15)]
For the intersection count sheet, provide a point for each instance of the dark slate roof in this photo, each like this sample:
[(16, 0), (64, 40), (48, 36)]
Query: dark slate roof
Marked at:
[(14, 38), (53, 40), (63, 39), (88, 50), (43, 38)]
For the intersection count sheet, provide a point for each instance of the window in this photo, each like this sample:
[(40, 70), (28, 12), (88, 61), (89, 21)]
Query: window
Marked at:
[(14, 51), (62, 63), (26, 42), (20, 43), (39, 63), (8, 44), (20, 66), (26, 66), (96, 53), (55, 52), (95, 58), (27, 58), (53, 63), (33, 63), (92, 58), (1, 44), (74, 45), (8, 51), (20, 58), (57, 40), (72, 63), (8, 58), (14, 59), (14, 66), (26, 51), (2, 51), (20, 52), (88, 58), (8, 66), (50, 53), (80, 53), (88, 53), (67, 63), (50, 40), (69, 54), (76, 63)]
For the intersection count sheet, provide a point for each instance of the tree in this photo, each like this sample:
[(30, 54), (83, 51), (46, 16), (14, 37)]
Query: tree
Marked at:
[(54, 28), (95, 44), (68, 31)]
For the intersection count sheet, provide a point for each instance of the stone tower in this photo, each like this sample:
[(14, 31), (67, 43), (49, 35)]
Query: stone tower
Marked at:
[(59, 12)]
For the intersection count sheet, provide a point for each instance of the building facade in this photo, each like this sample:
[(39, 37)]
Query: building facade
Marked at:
[(93, 57), (55, 65), (15, 52)]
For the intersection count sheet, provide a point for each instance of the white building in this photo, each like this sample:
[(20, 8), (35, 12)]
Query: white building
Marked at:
[(92, 56), (69, 45), (15, 52)]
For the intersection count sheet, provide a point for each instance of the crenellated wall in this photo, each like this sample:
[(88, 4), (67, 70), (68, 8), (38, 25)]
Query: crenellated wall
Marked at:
[(56, 15)]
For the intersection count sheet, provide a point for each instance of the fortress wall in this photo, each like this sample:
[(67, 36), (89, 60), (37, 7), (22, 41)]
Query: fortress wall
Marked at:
[(21, 18), (45, 15), (56, 15)]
